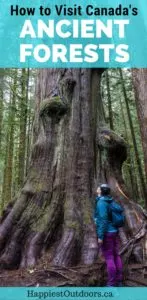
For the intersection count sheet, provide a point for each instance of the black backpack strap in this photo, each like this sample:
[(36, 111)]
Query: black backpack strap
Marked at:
[(109, 210)]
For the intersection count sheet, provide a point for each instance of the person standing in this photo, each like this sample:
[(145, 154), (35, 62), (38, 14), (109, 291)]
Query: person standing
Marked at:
[(108, 237)]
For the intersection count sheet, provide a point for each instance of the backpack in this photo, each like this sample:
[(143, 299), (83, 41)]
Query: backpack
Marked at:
[(116, 213)]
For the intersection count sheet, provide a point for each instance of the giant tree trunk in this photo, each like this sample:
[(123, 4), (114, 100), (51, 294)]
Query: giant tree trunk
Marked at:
[(140, 86), (71, 155)]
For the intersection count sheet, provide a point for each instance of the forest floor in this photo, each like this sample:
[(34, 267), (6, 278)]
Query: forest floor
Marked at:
[(95, 275)]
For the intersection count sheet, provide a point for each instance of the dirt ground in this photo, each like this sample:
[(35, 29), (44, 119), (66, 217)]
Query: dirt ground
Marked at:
[(94, 275)]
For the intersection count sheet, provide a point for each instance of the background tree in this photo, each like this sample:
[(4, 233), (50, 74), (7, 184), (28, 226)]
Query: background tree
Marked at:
[(1, 101), (7, 183), (17, 93), (126, 124), (23, 125), (139, 80)]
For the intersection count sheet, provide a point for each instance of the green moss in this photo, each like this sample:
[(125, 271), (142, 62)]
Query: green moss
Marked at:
[(109, 138), (35, 187), (33, 173), (87, 211), (43, 218), (53, 107), (41, 222), (87, 218), (40, 187), (73, 225), (92, 281)]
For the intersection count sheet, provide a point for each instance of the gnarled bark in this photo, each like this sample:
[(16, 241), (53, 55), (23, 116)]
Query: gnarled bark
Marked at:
[(71, 154)]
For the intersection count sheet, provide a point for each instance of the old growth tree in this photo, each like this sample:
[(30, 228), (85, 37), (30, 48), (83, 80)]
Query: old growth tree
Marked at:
[(139, 80), (72, 153)]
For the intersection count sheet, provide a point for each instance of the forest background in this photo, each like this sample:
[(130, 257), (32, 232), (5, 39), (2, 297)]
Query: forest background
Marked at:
[(17, 107)]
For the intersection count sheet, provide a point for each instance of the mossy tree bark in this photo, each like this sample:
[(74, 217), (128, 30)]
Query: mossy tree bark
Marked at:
[(23, 126), (72, 153), (1, 102), (140, 88), (8, 167)]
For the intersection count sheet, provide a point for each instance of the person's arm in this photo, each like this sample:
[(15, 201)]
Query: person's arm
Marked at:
[(102, 208)]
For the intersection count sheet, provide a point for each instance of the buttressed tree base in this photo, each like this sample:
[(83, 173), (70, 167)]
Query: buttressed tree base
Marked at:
[(73, 152)]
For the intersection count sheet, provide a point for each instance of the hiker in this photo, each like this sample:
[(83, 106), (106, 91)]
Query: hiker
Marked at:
[(107, 224)]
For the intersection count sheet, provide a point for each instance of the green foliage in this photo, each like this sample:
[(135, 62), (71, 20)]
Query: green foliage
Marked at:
[(121, 124), (11, 116)]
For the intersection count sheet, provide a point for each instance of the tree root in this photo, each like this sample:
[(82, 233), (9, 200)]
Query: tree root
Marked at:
[(66, 249), (92, 275)]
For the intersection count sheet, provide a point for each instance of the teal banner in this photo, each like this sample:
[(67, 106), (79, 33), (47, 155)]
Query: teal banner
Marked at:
[(73, 34), (73, 293)]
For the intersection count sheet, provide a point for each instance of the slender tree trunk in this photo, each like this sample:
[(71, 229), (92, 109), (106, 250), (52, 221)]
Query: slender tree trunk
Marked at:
[(1, 102), (28, 145), (109, 101), (4, 185), (8, 168), (71, 154), (131, 168), (140, 171), (23, 125), (29, 122), (1, 112)]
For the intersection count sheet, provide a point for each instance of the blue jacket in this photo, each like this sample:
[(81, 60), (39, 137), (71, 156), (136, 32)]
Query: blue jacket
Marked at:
[(102, 218)]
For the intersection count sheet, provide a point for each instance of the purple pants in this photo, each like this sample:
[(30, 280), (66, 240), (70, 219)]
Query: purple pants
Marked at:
[(113, 261)]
